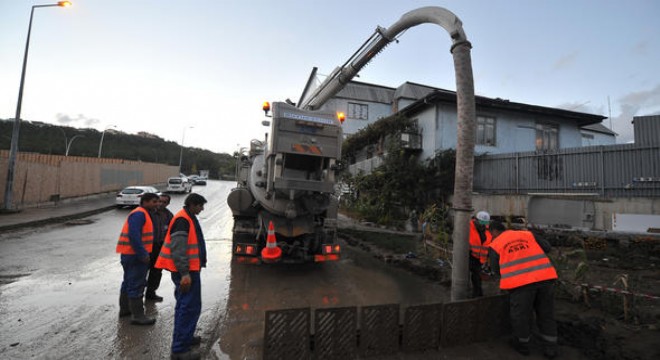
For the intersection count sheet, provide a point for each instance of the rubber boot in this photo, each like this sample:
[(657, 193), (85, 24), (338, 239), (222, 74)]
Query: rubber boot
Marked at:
[(153, 281), (124, 309), (188, 355), (137, 312), (152, 296), (522, 347), (550, 350), (196, 340)]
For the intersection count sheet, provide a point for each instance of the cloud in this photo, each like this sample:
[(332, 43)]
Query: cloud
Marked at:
[(565, 61), (80, 119), (641, 48), (582, 107), (648, 98), (638, 103)]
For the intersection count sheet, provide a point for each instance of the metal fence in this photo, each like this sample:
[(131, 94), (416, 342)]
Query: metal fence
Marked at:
[(609, 171)]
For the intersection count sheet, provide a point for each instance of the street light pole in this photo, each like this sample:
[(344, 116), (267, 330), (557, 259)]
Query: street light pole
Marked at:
[(13, 148), (182, 139), (102, 135), (68, 146), (66, 138)]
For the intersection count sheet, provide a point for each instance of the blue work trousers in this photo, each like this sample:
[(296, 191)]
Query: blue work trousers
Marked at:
[(135, 276), (187, 311)]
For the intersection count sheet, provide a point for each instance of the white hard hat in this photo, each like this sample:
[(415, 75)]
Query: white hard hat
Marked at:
[(483, 217)]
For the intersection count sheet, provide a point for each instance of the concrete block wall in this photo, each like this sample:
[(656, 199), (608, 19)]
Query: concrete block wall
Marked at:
[(601, 209)]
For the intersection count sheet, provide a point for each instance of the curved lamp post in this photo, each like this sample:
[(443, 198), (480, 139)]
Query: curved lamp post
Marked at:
[(13, 149), (102, 135), (68, 146), (182, 139), (66, 138)]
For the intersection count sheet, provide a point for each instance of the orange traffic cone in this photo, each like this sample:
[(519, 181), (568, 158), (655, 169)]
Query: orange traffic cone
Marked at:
[(271, 253)]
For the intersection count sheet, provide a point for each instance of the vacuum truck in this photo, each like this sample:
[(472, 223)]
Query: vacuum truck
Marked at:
[(284, 205), (286, 184)]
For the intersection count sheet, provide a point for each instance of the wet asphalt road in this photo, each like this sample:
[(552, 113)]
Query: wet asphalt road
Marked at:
[(59, 287)]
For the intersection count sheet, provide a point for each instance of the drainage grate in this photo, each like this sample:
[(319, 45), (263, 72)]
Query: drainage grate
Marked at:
[(335, 335), (421, 328), (459, 325), (493, 320), (379, 330), (287, 334), (425, 327)]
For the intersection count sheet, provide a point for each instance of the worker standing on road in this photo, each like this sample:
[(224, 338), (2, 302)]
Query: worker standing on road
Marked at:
[(161, 217), (480, 238), (135, 244), (529, 277), (184, 255)]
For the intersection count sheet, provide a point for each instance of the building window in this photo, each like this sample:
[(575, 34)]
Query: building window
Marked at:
[(358, 111), (547, 137), (587, 139), (485, 131)]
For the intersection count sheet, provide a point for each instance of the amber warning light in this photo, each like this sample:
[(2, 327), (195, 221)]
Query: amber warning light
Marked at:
[(341, 117), (266, 107)]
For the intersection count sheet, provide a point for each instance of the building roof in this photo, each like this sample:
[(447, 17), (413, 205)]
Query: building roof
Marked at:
[(409, 90), (442, 95), (355, 90), (599, 128)]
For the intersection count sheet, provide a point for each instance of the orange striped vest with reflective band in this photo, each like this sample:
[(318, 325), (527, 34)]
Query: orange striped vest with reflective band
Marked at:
[(522, 261), (124, 243), (477, 249), (165, 260)]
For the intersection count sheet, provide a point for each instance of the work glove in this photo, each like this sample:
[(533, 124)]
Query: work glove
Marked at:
[(184, 285), (486, 270)]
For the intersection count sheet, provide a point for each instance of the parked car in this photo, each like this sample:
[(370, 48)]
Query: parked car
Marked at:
[(179, 184), (131, 195), (197, 180)]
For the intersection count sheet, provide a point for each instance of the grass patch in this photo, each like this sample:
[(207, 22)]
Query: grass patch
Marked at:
[(396, 243)]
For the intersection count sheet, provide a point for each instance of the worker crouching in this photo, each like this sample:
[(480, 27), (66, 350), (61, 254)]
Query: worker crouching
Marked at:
[(527, 274)]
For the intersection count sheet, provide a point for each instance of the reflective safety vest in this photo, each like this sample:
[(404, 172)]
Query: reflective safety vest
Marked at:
[(522, 261), (165, 260), (478, 249), (124, 243)]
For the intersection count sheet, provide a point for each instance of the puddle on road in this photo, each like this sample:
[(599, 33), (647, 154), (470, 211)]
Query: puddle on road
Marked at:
[(79, 222), (10, 278)]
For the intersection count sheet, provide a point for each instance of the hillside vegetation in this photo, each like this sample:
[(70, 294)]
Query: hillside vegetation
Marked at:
[(52, 139)]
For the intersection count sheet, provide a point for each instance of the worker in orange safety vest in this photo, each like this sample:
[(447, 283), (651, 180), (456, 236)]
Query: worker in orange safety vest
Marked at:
[(184, 255), (527, 274), (480, 238), (135, 244)]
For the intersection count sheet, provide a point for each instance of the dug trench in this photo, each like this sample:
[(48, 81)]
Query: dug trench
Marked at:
[(607, 297)]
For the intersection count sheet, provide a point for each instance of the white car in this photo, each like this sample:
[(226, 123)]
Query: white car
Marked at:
[(130, 196), (179, 184)]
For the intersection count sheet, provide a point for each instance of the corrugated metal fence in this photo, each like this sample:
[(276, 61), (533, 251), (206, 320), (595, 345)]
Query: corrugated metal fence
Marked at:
[(608, 171)]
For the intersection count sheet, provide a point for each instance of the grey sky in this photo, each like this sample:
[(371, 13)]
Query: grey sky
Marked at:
[(162, 65)]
